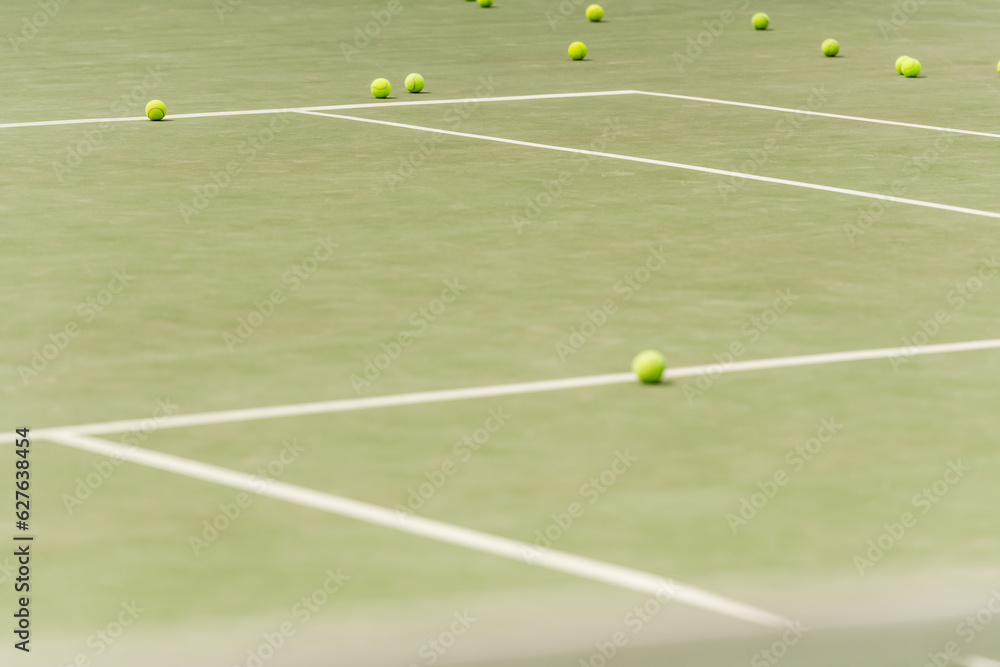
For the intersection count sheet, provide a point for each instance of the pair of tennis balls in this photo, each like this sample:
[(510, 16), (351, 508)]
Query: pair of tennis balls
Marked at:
[(907, 66), (578, 50), (830, 47), (381, 87)]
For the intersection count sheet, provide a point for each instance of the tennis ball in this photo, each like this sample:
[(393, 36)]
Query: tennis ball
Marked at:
[(577, 50), (414, 83), (761, 21), (899, 64), (911, 68), (998, 68), (485, 3), (156, 110), (831, 48), (649, 366), (595, 13), (381, 88)]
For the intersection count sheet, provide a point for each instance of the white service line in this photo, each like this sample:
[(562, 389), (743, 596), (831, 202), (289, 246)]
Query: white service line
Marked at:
[(675, 165), (805, 112), (337, 107), (559, 561), (441, 396)]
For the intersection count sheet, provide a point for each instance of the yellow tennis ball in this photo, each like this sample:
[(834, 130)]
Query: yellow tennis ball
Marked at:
[(899, 64), (911, 68), (381, 88), (761, 21), (485, 3), (414, 83), (577, 50), (998, 68), (156, 110), (649, 366), (831, 48), (595, 13)]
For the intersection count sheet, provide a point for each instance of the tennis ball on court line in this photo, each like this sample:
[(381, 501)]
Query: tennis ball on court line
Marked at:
[(761, 21), (831, 48), (649, 366), (156, 110), (414, 83), (595, 13), (577, 50), (899, 64), (381, 88), (911, 68), (485, 3)]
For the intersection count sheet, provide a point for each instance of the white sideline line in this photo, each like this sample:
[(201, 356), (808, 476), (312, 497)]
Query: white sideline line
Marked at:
[(337, 107), (441, 396), (675, 165), (523, 552), (805, 112)]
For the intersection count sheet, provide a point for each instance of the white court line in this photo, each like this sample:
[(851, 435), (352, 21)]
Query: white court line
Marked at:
[(420, 398), (338, 107), (523, 552), (512, 98), (977, 661), (675, 165), (805, 112)]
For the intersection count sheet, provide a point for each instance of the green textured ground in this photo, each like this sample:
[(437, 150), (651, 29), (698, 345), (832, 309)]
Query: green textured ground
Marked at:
[(404, 216)]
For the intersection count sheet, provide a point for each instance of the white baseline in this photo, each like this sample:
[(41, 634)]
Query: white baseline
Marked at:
[(419, 398)]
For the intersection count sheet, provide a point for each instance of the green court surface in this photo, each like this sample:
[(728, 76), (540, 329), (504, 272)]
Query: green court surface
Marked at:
[(220, 261)]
